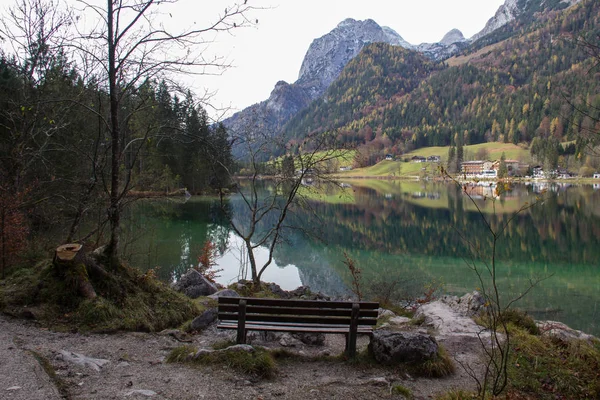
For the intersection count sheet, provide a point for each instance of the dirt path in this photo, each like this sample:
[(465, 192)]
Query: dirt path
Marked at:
[(136, 369)]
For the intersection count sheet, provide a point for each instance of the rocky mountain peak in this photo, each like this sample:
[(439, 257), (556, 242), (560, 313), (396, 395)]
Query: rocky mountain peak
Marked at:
[(454, 36), (513, 9), (327, 55)]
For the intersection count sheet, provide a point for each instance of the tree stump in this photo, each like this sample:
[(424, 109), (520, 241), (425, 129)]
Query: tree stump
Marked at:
[(70, 263)]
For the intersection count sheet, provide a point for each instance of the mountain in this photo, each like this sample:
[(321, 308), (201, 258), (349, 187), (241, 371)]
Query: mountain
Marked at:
[(323, 62), (370, 80), (452, 43), (520, 9), (454, 36), (329, 54), (532, 86)]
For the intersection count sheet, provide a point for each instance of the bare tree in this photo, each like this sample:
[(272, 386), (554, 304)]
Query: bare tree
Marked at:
[(496, 339), (128, 44), (268, 212)]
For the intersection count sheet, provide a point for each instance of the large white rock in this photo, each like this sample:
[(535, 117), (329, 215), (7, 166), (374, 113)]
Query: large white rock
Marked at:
[(446, 321)]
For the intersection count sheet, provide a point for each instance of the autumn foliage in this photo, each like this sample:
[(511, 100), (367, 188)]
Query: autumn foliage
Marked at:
[(206, 261)]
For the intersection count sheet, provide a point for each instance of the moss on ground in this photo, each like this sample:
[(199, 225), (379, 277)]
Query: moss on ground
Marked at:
[(60, 384), (127, 300)]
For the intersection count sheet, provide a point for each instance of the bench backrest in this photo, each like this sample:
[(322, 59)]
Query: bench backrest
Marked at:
[(298, 311)]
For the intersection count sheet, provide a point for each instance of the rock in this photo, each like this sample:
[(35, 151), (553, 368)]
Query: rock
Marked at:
[(398, 347), (399, 320), (176, 334), (324, 353), (447, 321), (278, 291), (287, 340), (224, 293), (561, 331), (238, 348), (81, 360), (311, 339), (262, 336), (141, 392), (470, 304), (194, 285), (204, 320), (379, 381), (200, 353), (382, 313)]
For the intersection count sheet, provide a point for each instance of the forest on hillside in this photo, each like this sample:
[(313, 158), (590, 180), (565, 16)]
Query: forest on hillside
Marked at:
[(539, 85), (79, 137)]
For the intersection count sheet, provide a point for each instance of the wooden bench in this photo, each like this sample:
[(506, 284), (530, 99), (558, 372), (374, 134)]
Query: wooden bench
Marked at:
[(279, 315)]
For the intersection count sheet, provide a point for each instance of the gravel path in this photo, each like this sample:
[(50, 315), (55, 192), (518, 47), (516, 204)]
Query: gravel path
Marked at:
[(136, 370)]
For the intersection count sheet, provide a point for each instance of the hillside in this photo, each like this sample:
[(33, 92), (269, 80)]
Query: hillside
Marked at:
[(524, 87), (402, 168)]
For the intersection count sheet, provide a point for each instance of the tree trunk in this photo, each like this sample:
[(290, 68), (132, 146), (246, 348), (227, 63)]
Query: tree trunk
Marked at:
[(253, 269), (70, 263), (114, 210)]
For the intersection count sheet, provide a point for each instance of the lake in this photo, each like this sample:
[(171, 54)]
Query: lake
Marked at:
[(407, 238)]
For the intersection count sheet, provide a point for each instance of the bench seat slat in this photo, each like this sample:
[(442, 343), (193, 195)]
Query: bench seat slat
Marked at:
[(366, 305), (325, 312), (297, 328), (297, 319)]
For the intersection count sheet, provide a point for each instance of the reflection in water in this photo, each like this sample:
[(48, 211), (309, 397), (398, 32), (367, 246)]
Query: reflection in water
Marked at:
[(234, 261), (404, 235)]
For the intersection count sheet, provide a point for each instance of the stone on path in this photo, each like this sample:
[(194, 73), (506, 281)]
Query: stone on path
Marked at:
[(84, 361), (141, 392)]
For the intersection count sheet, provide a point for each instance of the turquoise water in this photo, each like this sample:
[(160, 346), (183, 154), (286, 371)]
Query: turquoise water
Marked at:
[(406, 237)]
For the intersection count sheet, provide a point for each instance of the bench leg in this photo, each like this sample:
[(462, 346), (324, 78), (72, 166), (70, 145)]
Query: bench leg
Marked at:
[(241, 331), (241, 336), (353, 332)]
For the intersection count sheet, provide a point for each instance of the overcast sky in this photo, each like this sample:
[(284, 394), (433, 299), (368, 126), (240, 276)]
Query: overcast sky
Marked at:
[(274, 50)]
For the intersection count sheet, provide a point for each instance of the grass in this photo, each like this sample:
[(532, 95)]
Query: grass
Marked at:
[(546, 368), (438, 367), (258, 363), (514, 319), (127, 300), (400, 390), (457, 395), (401, 169)]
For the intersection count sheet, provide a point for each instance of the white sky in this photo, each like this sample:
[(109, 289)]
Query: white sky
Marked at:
[(274, 49)]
